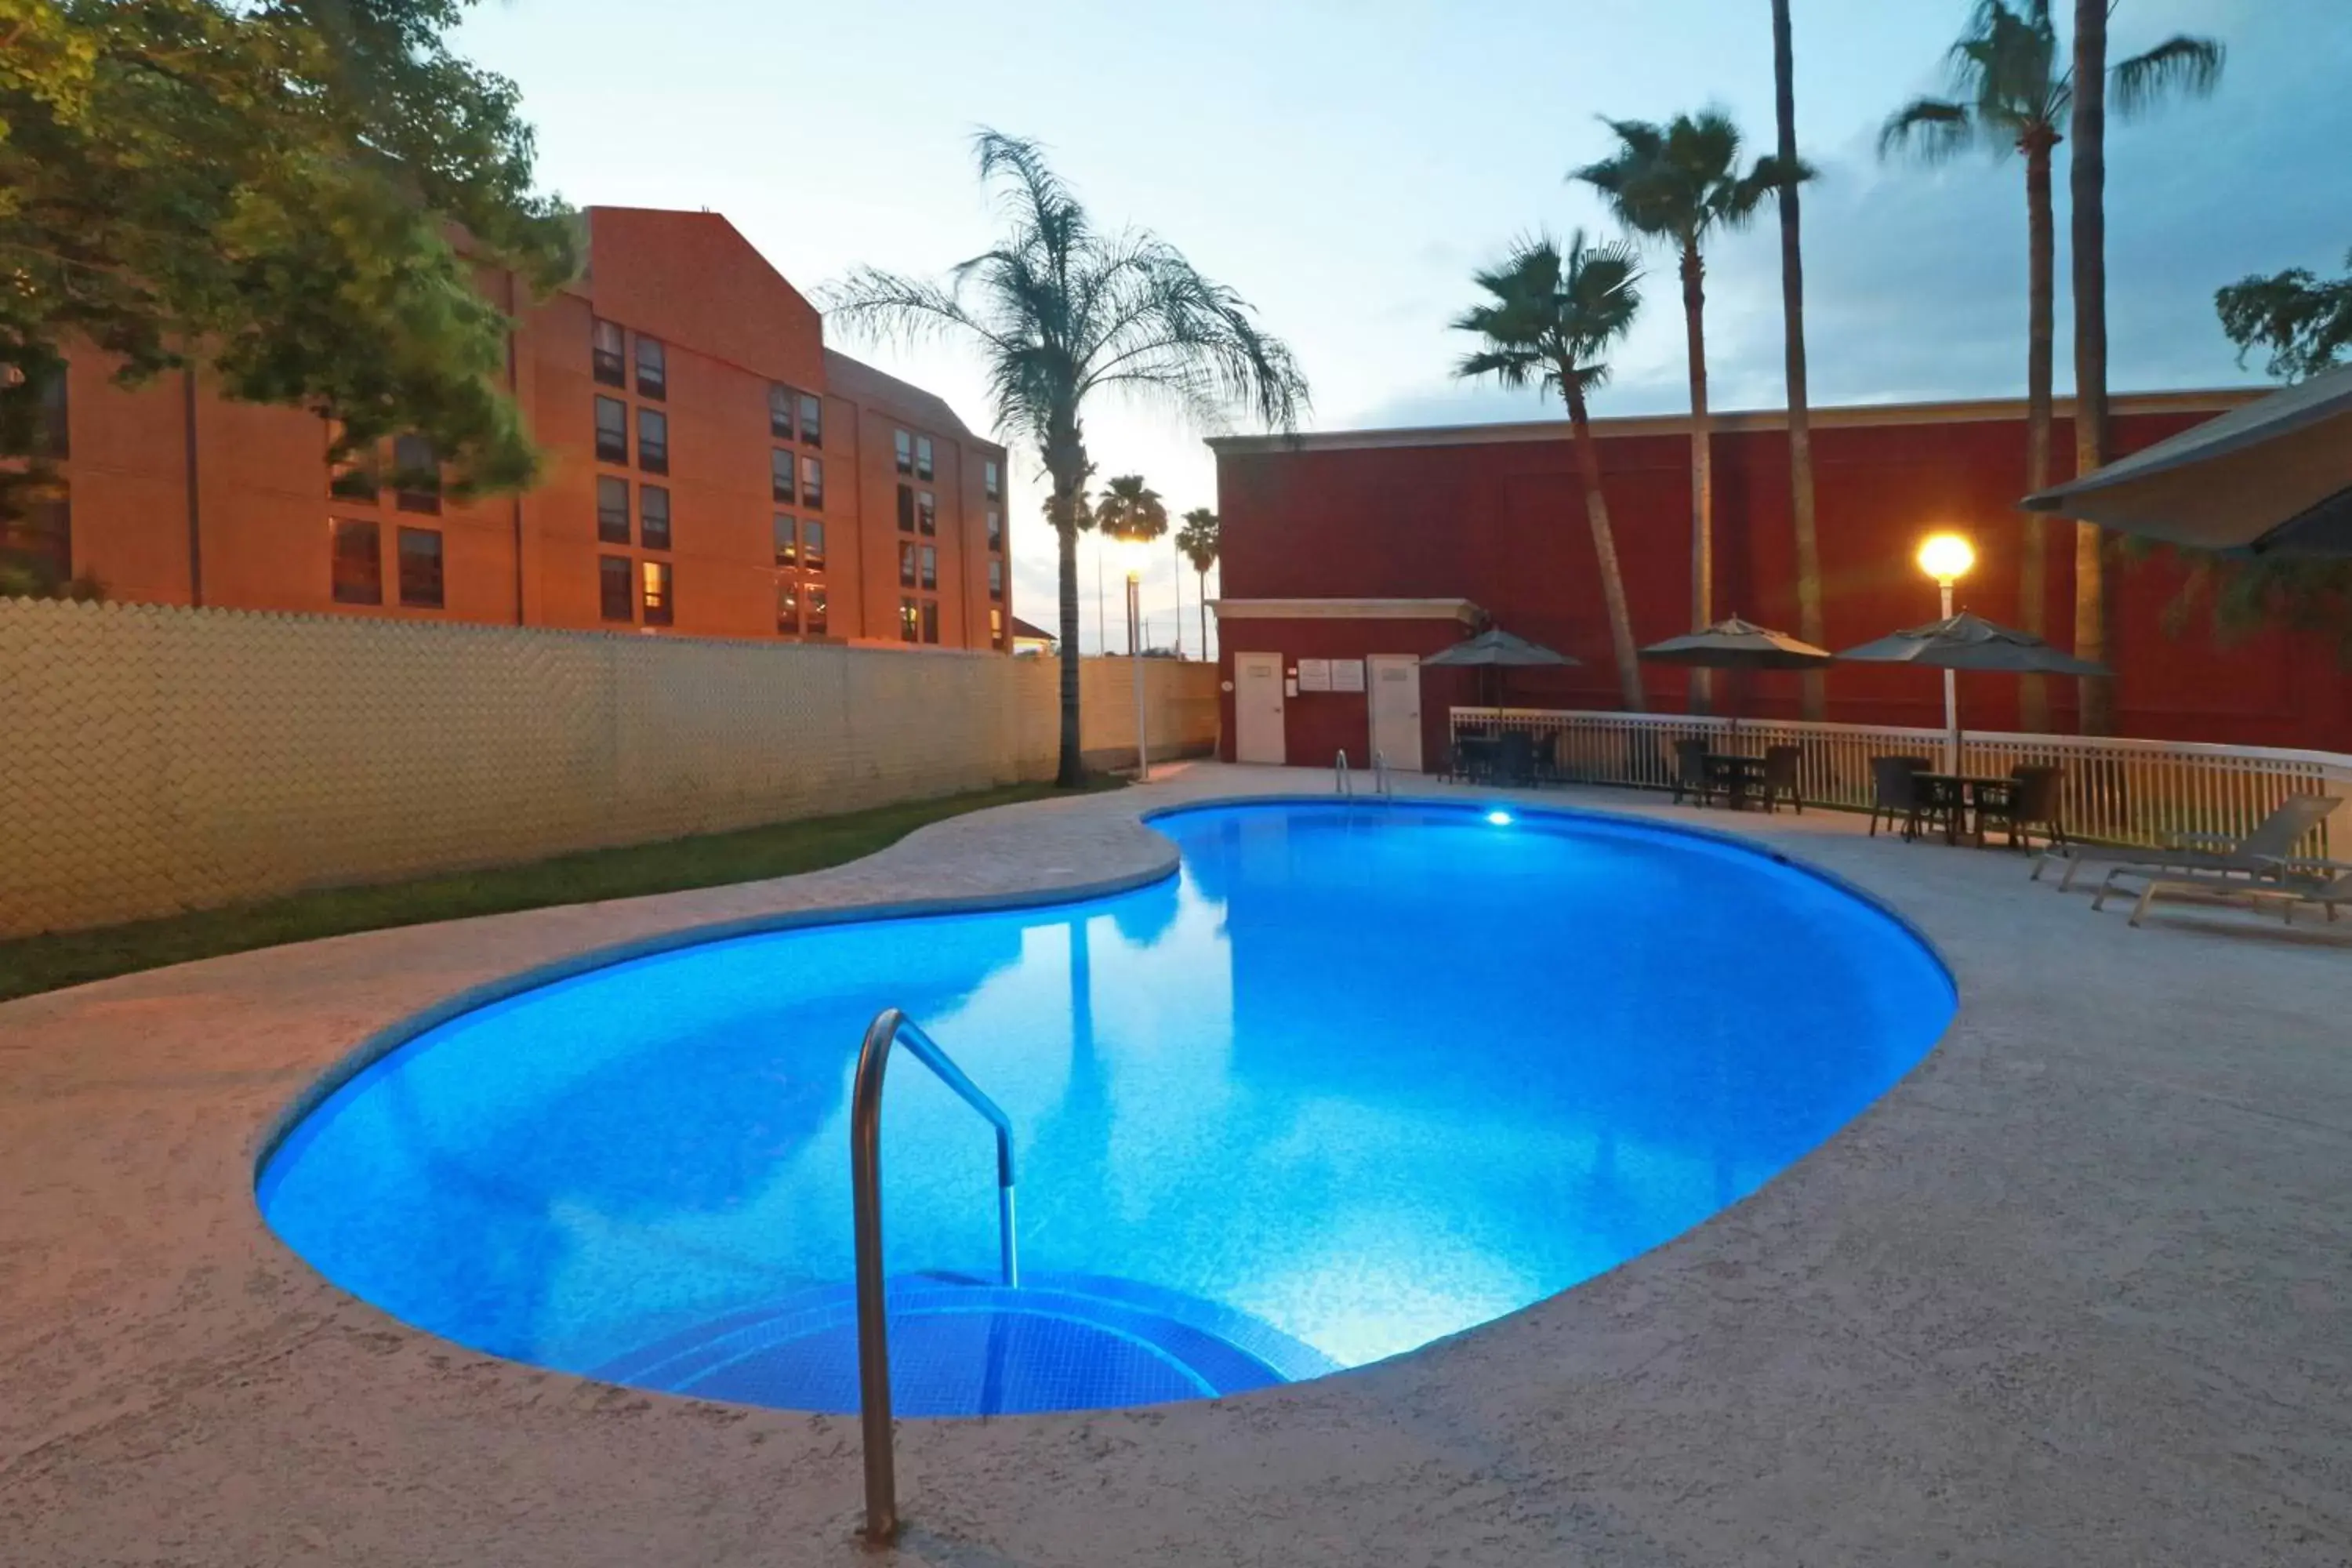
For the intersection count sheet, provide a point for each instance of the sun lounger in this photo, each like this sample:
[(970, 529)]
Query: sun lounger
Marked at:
[(2327, 884), (2258, 854)]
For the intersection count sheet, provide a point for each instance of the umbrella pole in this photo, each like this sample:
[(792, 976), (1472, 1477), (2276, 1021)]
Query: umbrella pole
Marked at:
[(1951, 700)]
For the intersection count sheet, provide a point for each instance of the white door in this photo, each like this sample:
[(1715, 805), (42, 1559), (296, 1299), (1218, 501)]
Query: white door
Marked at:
[(1395, 697), (1257, 708)]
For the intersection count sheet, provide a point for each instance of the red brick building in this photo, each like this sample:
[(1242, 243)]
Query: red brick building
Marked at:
[(1352, 544), (711, 468)]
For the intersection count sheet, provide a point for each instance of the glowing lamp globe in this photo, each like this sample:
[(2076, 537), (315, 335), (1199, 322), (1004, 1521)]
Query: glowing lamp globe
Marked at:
[(1946, 557)]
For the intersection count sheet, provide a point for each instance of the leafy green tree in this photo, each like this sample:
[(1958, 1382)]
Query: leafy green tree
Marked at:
[(2011, 89), (1065, 313), (271, 191), (2302, 322), (1680, 184), (1550, 320), (1198, 539)]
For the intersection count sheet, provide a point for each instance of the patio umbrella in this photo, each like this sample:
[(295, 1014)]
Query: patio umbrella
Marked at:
[(1735, 644), (1496, 649), (1969, 642), (2274, 476)]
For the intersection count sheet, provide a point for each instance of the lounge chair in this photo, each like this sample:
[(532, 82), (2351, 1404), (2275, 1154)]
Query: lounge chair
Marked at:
[(2258, 854), (2325, 883)]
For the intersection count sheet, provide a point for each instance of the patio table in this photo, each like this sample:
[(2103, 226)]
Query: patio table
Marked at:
[(1737, 774), (1962, 798)]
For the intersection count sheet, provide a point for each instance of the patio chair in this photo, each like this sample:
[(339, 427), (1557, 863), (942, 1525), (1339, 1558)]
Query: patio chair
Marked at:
[(2258, 854), (2325, 883), (1894, 792), (1691, 774), (1781, 764), (2032, 807), (1516, 761)]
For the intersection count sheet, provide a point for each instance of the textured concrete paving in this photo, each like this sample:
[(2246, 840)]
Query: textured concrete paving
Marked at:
[(2077, 1291)]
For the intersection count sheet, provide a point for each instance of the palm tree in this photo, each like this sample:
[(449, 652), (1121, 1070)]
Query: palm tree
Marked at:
[(2010, 91), (1792, 309), (1061, 311), (2088, 186), (1680, 183), (1198, 539), (1131, 511), (1550, 317)]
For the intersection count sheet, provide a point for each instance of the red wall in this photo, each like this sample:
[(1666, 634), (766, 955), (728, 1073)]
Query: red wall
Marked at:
[(1502, 524)]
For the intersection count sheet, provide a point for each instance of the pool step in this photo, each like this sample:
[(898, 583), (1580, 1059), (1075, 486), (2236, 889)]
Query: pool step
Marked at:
[(961, 1346)]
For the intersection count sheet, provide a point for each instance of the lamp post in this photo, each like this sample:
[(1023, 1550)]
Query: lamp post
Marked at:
[(1947, 558), (1132, 553)]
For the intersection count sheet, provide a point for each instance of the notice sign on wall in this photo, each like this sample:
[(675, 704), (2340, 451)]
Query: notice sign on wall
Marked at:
[(1347, 675), (1314, 675)]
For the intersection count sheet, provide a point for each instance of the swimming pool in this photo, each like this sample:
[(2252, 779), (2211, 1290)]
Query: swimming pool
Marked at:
[(1355, 1078)]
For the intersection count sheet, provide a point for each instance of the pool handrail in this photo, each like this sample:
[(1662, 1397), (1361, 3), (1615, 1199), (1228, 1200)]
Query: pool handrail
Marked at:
[(1342, 782), (889, 1027)]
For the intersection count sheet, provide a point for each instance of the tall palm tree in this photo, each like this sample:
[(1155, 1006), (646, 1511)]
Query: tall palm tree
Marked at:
[(1062, 311), (1680, 183), (1131, 511), (2009, 90), (2086, 186), (1198, 539), (1550, 317), (1793, 310)]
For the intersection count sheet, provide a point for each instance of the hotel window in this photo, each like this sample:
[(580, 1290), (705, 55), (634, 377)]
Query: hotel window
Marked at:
[(926, 511), (906, 566), (816, 623), (812, 420), (358, 561), (922, 456), (417, 474), (780, 412), (653, 441), (653, 368), (930, 620), (420, 568), (56, 438), (611, 510), (605, 354), (906, 509), (653, 578), (812, 482), (354, 476), (653, 517), (788, 542), (788, 608), (910, 620), (41, 539), (996, 580), (930, 567), (812, 544), (996, 629), (991, 480), (902, 446), (780, 476), (995, 529), (616, 596), (612, 430)]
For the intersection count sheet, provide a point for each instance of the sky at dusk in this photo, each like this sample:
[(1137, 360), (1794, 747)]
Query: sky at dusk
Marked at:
[(1346, 167)]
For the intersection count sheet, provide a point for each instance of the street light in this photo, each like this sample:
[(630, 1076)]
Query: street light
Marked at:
[(1133, 553), (1947, 558)]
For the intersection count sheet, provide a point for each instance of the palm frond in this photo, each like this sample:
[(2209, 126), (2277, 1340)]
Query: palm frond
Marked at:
[(2188, 66), (1932, 129), (1552, 312)]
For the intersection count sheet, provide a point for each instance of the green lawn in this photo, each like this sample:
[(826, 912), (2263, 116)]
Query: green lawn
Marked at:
[(29, 964)]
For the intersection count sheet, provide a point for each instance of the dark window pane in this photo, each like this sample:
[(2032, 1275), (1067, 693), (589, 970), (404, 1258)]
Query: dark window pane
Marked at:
[(812, 544), (991, 480), (788, 542), (910, 620), (615, 594), (40, 541), (420, 568), (604, 353), (996, 531), (816, 623), (653, 577), (358, 562), (788, 608), (612, 430), (922, 456), (779, 413), (354, 476), (906, 566), (611, 510), (653, 368), (930, 566), (416, 473), (812, 481), (780, 476), (812, 420), (902, 446), (926, 511), (996, 579), (906, 509), (653, 441), (653, 517), (930, 620), (56, 438)]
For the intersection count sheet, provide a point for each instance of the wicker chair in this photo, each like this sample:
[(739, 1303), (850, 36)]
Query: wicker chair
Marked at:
[(1781, 769), (1691, 775), (1894, 792), (2033, 807)]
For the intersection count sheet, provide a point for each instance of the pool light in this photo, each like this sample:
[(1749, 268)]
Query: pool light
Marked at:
[(1500, 818)]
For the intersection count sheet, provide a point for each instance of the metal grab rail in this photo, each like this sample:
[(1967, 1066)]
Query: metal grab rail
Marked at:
[(1342, 782), (1381, 784), (890, 1026)]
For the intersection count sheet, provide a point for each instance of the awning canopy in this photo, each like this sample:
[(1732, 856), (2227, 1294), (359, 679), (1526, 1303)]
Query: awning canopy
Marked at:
[(2274, 477)]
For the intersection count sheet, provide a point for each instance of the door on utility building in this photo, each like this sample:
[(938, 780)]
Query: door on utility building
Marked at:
[(1257, 708), (1395, 698)]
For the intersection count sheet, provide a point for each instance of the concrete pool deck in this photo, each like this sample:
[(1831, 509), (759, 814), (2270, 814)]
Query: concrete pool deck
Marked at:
[(2078, 1290)]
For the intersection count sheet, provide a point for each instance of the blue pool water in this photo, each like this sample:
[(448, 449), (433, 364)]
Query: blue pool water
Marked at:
[(1357, 1077)]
